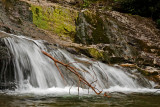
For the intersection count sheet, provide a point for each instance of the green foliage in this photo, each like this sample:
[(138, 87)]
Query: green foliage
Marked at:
[(86, 3), (158, 23)]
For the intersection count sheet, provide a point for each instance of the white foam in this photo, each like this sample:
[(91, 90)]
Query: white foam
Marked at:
[(131, 90), (69, 91)]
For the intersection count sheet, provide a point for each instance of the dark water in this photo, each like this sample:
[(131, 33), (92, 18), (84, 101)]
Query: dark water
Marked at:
[(117, 100)]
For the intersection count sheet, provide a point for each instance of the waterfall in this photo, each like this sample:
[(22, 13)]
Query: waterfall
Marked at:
[(33, 69)]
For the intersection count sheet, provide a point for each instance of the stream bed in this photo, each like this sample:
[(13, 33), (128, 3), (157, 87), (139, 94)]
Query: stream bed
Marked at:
[(117, 99), (68, 97)]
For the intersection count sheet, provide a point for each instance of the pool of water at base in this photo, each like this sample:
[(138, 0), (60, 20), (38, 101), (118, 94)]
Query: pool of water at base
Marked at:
[(117, 99)]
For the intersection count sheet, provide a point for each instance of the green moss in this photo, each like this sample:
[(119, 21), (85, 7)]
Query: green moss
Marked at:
[(96, 53), (86, 3), (40, 19), (59, 20)]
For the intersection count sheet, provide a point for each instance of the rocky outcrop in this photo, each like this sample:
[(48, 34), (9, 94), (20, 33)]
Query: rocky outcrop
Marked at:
[(131, 38), (16, 18), (120, 38)]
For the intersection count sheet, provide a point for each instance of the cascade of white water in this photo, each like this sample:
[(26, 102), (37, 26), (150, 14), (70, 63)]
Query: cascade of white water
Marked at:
[(32, 67)]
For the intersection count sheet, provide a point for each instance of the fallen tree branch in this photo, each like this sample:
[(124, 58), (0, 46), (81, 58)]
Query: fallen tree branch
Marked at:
[(73, 70)]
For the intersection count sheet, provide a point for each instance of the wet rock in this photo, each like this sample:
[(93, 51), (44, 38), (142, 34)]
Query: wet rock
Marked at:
[(8, 86), (152, 70), (157, 87), (72, 50), (4, 51), (3, 34), (7, 29), (71, 2), (4, 54), (6, 65), (17, 10)]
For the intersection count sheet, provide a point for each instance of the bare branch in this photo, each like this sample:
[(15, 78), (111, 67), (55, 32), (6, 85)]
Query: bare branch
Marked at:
[(74, 71)]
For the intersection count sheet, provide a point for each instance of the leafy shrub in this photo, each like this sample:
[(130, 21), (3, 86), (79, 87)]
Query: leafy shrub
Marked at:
[(158, 23)]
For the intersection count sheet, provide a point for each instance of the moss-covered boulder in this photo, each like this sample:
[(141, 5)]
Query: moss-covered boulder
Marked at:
[(57, 19)]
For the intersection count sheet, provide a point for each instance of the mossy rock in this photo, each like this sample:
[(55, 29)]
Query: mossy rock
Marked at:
[(96, 54), (54, 18), (91, 29)]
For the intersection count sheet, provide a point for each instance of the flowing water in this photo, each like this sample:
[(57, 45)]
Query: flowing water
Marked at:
[(37, 82)]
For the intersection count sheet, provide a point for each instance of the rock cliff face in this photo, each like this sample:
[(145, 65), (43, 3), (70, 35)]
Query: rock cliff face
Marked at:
[(97, 32), (131, 38), (120, 38), (16, 18)]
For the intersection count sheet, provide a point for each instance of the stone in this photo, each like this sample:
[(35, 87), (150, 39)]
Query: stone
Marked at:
[(2, 34), (157, 87), (4, 51), (152, 70)]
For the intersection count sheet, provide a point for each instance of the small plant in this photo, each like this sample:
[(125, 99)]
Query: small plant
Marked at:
[(158, 23), (86, 3)]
